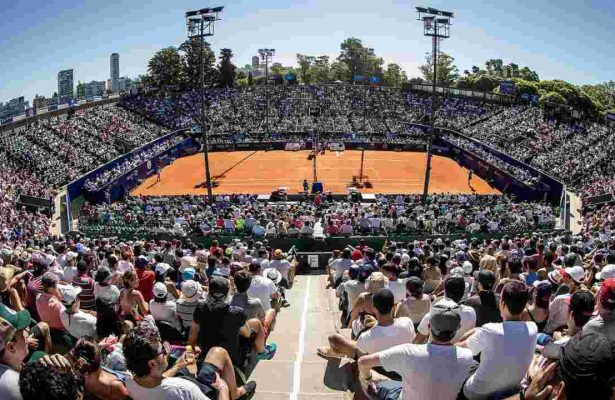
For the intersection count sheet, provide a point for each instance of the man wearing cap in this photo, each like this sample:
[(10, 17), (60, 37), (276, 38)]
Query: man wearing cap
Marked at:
[(262, 288), (387, 333), (283, 267), (13, 351), (435, 370), (454, 287), (217, 323), (162, 308), (191, 295), (573, 277), (506, 348), (70, 270), (78, 323), (604, 323), (486, 303)]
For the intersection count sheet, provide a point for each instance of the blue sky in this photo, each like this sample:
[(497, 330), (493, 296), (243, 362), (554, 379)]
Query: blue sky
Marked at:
[(565, 39)]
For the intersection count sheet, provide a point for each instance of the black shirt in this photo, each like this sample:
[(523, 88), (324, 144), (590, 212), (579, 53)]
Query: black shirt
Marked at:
[(487, 307), (219, 326)]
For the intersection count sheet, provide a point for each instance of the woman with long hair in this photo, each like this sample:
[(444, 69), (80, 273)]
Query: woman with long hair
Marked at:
[(132, 303)]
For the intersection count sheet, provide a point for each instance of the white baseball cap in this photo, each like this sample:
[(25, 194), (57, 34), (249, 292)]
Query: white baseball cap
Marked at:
[(607, 272), (576, 273), (69, 293)]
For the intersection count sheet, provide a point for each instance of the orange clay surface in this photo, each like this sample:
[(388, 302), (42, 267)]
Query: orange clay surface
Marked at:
[(264, 171)]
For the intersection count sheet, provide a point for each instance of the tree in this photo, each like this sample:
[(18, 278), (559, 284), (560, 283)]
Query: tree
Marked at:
[(359, 59), (191, 63), (528, 75), (394, 76), (165, 68), (80, 90), (320, 69), (250, 79), (475, 69), (240, 74), (446, 71), (305, 62), (338, 71), (486, 83), (552, 97), (276, 69), (226, 69)]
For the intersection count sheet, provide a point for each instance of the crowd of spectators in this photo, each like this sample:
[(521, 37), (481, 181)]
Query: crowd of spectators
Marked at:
[(242, 215), (58, 150), (105, 319), (135, 159), (522, 317)]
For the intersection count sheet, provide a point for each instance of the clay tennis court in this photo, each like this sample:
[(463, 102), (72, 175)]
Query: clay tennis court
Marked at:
[(264, 171)]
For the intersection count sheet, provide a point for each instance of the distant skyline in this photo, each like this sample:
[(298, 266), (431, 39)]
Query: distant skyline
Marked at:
[(565, 39)]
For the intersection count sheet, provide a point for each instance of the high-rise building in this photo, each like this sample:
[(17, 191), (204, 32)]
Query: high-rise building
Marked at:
[(94, 89), (255, 62), (115, 72), (13, 107), (39, 102), (65, 84)]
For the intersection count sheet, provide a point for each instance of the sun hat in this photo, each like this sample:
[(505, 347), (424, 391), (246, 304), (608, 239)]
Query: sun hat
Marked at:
[(190, 288), (188, 274), (273, 274), (160, 290), (607, 272)]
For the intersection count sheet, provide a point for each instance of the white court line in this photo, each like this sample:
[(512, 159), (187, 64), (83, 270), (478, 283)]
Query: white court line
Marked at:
[(301, 348)]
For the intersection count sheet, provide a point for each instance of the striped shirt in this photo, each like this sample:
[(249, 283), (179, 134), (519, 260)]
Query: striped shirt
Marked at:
[(87, 291), (185, 311)]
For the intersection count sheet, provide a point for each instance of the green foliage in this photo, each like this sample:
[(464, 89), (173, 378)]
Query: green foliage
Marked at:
[(394, 76), (305, 62), (552, 97), (339, 71), (250, 79), (359, 59), (166, 68), (446, 71), (320, 69), (191, 63), (226, 68)]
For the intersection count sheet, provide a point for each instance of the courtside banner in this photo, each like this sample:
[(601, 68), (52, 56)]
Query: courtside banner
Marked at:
[(293, 146), (336, 146)]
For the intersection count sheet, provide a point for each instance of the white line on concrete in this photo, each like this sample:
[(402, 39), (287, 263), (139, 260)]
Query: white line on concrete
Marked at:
[(301, 348)]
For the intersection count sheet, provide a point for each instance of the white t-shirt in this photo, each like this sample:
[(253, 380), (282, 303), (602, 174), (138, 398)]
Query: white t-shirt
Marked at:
[(506, 350), (429, 371), (381, 338), (69, 274), (283, 266), (468, 321), (79, 324), (9, 383), (169, 389), (340, 265), (399, 290), (262, 288), (166, 311)]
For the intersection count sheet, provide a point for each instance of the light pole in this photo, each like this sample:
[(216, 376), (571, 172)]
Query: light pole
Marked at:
[(437, 28), (266, 56), (201, 24)]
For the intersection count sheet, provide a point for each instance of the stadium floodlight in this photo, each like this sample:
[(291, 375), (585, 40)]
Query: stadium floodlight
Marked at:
[(200, 24), (266, 56), (437, 28)]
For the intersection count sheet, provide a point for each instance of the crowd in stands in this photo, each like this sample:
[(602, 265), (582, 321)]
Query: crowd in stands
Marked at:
[(135, 159), (242, 215), (522, 317), (17, 223), (104, 319), (57, 150)]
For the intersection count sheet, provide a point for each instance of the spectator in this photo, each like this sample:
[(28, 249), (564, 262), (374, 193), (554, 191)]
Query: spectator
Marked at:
[(500, 371), (78, 323), (417, 304), (163, 309), (86, 283), (262, 288), (486, 302)]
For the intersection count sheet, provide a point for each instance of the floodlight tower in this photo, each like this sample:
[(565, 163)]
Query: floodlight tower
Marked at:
[(266, 56), (437, 28), (200, 24)]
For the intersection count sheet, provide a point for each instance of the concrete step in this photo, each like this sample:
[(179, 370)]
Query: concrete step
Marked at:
[(301, 396)]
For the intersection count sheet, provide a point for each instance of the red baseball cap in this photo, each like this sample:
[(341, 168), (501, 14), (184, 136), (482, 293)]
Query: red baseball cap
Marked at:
[(357, 255), (607, 294)]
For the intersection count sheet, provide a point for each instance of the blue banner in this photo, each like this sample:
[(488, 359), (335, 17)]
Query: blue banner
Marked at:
[(611, 116), (7, 120), (374, 79), (525, 96), (534, 98), (358, 78), (290, 77), (507, 87)]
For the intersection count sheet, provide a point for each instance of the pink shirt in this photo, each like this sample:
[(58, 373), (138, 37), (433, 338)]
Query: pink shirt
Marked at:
[(50, 310)]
